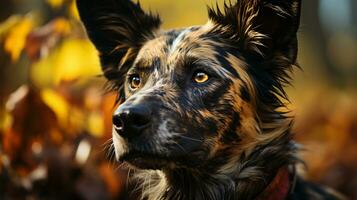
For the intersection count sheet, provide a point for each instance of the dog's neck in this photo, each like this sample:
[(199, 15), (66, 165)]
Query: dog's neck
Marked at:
[(251, 178), (186, 186)]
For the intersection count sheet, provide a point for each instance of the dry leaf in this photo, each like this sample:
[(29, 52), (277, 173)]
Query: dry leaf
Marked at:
[(41, 41), (16, 37)]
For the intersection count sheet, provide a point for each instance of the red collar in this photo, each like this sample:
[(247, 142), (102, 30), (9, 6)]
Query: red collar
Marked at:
[(281, 185)]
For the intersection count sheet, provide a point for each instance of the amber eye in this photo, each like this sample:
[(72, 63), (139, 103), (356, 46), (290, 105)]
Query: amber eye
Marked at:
[(134, 81), (200, 77)]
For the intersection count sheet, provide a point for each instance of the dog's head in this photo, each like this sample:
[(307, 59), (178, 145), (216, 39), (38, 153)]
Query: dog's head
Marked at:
[(196, 95)]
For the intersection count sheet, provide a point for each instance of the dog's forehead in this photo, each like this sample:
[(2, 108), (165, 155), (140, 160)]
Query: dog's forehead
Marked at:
[(175, 46)]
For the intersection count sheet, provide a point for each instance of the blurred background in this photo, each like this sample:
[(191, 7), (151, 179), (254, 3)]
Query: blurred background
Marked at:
[(55, 116)]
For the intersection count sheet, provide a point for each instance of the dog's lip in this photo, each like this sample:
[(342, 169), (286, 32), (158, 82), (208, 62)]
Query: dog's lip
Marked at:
[(137, 154), (145, 160)]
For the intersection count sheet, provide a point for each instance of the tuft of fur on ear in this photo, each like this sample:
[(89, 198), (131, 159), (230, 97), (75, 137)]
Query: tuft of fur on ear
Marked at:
[(117, 28), (260, 27)]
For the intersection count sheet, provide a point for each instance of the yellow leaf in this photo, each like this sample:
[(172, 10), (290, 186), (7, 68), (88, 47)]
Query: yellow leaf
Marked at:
[(16, 37), (5, 121), (62, 26), (73, 10), (6, 26), (76, 121), (58, 104), (70, 118), (55, 3), (74, 59), (95, 124)]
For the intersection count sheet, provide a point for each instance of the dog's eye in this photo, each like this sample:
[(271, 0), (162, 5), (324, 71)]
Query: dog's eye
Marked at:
[(134, 81), (200, 77)]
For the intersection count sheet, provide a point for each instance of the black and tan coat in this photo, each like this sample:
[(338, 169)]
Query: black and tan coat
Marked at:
[(202, 112)]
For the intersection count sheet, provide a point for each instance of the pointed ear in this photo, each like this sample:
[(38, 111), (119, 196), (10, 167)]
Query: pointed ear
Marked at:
[(261, 27), (117, 28)]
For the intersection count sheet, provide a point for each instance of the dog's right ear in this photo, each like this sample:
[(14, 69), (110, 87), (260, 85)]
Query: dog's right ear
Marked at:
[(117, 28)]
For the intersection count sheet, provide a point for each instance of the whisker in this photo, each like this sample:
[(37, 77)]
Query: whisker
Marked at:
[(107, 142), (189, 138), (112, 153), (181, 147)]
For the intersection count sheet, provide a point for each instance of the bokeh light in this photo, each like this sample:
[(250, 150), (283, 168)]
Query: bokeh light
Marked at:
[(55, 114)]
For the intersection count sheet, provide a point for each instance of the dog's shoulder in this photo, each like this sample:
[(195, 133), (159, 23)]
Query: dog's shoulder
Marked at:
[(310, 191)]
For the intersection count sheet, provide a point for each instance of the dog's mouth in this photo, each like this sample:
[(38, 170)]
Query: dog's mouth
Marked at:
[(142, 153), (143, 160), (146, 160)]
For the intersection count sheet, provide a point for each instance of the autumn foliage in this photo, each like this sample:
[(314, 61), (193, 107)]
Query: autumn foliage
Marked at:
[(55, 114)]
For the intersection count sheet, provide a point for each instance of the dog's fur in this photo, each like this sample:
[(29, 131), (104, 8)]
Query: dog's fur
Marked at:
[(226, 138)]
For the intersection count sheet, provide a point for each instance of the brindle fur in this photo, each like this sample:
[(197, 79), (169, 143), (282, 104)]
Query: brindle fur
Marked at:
[(224, 139)]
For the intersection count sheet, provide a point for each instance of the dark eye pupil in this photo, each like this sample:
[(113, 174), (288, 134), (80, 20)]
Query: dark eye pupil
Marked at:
[(200, 76), (135, 82)]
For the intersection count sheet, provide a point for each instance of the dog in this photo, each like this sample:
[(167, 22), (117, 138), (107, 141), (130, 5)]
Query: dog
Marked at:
[(202, 112)]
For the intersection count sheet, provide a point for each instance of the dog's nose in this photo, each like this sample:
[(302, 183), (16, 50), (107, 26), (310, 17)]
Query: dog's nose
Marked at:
[(129, 121)]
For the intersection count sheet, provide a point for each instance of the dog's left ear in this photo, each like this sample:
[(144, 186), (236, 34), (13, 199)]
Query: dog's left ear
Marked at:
[(260, 27), (118, 29)]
